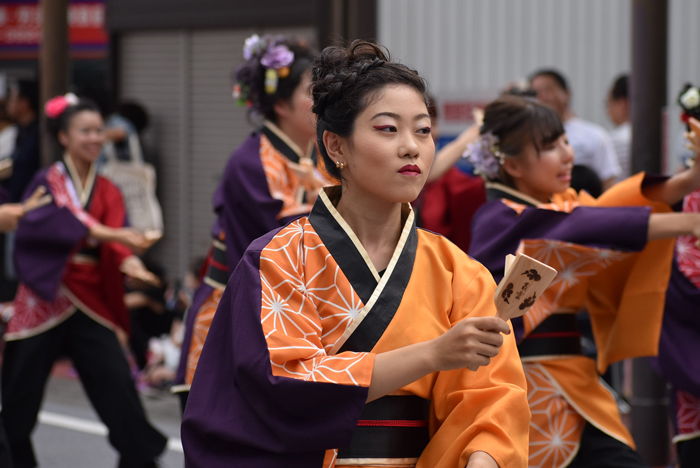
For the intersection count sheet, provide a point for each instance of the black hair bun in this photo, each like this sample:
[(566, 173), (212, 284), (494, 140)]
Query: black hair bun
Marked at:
[(337, 68)]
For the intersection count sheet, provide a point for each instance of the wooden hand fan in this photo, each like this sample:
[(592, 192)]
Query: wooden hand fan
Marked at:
[(524, 281), (6, 166), (37, 199)]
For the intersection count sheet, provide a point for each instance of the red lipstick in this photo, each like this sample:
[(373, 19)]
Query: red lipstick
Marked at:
[(410, 170)]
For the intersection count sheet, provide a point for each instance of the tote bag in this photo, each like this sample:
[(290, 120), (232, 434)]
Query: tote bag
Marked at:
[(137, 182)]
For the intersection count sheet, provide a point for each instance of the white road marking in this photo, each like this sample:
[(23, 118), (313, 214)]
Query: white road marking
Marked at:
[(90, 427)]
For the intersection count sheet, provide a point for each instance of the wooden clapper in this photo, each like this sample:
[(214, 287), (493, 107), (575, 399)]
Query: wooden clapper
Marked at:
[(524, 281)]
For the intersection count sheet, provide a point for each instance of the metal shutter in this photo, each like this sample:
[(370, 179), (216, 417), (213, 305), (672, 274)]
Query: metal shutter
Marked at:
[(151, 73), (467, 46), (184, 80)]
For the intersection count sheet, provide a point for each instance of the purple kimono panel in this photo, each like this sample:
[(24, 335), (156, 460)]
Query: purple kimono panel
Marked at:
[(238, 413), (246, 210), (45, 238), (497, 231), (200, 295), (679, 346), (4, 196)]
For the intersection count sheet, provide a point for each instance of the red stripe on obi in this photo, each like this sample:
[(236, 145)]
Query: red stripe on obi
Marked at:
[(390, 423)]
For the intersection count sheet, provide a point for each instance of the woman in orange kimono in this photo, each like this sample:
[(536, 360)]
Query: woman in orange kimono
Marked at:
[(270, 180), (342, 338), (613, 255)]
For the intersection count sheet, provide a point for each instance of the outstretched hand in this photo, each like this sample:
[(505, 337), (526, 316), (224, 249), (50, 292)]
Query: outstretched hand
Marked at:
[(137, 241), (134, 267), (693, 136), (696, 230), (37, 199), (10, 214), (481, 460)]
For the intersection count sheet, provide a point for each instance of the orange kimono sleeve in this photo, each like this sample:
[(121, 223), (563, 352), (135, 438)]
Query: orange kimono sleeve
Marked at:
[(626, 301), (298, 338), (485, 410)]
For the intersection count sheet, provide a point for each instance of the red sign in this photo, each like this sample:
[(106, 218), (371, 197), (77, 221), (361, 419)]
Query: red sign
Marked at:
[(20, 29), (461, 111)]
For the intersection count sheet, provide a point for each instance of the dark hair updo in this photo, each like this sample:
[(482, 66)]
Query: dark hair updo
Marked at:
[(249, 77), (29, 90), (344, 82), (553, 74), (517, 121), (620, 88), (63, 121)]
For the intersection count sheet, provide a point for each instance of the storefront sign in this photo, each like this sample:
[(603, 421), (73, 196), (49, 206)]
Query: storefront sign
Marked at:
[(20, 29)]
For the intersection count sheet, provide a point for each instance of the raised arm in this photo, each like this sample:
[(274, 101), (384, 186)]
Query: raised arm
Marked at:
[(670, 225), (452, 152), (678, 186)]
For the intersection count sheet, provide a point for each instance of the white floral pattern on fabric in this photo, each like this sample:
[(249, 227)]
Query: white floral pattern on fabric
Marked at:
[(307, 305), (33, 314), (687, 251), (555, 429), (282, 181), (575, 263), (58, 184), (688, 416)]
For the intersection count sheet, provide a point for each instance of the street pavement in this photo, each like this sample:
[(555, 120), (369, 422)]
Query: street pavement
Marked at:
[(70, 435)]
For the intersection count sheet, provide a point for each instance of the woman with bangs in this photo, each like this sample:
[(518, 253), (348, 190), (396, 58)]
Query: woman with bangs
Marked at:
[(613, 255)]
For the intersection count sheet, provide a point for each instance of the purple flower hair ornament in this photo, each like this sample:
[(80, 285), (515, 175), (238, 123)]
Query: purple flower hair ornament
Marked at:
[(277, 57), (254, 45), (485, 156)]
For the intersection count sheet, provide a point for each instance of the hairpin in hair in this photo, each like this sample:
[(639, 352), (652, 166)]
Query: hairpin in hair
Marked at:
[(56, 106), (485, 155)]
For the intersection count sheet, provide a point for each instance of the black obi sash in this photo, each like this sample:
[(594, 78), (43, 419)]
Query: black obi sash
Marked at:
[(391, 427), (557, 335), (217, 272)]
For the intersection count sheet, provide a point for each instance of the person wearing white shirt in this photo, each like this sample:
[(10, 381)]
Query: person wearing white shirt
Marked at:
[(619, 112), (8, 133), (591, 143)]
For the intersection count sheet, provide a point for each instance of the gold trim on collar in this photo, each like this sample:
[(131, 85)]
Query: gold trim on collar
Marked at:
[(334, 192), (402, 462), (408, 214), (515, 193), (288, 141), (82, 193)]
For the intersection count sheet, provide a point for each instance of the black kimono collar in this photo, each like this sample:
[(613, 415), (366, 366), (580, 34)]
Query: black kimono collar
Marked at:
[(380, 295), (496, 191), (84, 194), (285, 145)]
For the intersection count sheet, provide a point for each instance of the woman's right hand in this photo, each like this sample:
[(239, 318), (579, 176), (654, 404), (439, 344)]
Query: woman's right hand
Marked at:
[(470, 343), (10, 214), (133, 239), (129, 237)]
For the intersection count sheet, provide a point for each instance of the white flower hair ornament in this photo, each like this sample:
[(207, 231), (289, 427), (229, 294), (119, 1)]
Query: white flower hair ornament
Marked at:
[(485, 155), (691, 98)]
